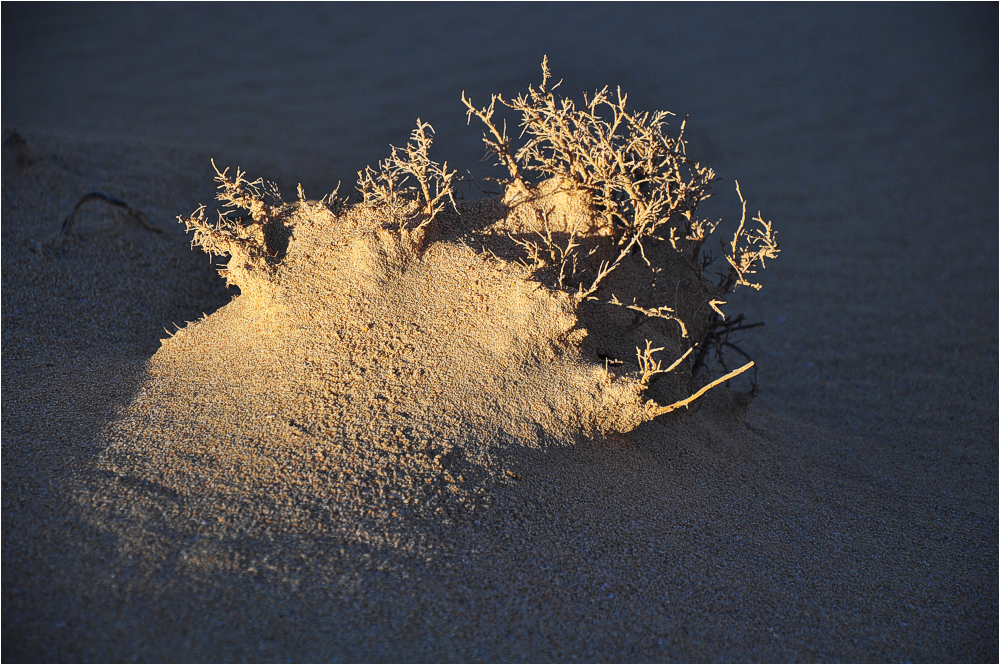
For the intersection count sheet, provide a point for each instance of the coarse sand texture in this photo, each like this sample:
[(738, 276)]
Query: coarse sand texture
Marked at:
[(385, 361), (526, 412)]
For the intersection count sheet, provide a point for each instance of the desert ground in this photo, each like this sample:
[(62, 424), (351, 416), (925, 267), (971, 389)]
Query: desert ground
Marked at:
[(179, 484)]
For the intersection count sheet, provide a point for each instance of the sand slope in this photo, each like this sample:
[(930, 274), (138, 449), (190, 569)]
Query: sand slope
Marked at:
[(851, 515)]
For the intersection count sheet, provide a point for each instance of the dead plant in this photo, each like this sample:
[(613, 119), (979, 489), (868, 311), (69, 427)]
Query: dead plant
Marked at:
[(228, 232), (386, 187), (640, 182), (546, 252)]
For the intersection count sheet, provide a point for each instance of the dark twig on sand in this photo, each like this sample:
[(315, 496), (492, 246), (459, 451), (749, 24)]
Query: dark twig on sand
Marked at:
[(67, 226), (716, 339)]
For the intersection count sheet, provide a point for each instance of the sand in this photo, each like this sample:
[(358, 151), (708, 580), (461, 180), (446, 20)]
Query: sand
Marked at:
[(284, 482)]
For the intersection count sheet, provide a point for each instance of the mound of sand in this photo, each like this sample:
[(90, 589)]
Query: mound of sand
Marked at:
[(371, 377)]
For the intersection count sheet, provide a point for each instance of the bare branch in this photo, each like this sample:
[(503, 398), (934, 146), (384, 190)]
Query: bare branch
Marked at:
[(659, 411), (648, 367), (386, 186)]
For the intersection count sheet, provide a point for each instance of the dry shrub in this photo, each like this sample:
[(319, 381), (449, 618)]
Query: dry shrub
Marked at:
[(387, 186), (254, 244), (643, 191), (600, 206)]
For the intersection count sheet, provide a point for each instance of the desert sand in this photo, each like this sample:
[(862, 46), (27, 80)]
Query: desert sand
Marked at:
[(382, 458)]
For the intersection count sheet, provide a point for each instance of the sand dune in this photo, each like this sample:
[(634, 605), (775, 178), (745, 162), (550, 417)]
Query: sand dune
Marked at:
[(401, 446)]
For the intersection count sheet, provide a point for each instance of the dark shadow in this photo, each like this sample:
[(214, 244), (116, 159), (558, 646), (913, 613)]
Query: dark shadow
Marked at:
[(83, 313)]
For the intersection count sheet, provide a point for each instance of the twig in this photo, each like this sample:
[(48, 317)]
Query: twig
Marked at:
[(685, 402), (663, 312), (67, 226), (717, 336), (650, 367), (385, 186)]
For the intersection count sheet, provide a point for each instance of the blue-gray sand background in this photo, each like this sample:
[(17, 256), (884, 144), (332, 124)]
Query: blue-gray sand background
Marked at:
[(868, 133)]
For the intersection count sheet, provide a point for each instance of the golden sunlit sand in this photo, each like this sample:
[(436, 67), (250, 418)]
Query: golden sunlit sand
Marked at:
[(387, 362)]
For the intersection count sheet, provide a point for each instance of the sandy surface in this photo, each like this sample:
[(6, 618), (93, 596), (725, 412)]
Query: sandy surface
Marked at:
[(200, 504)]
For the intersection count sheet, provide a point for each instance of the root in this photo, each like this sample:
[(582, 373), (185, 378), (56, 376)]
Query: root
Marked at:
[(67, 226)]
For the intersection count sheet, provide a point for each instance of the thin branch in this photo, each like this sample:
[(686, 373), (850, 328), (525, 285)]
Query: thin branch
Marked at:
[(67, 225), (685, 402)]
